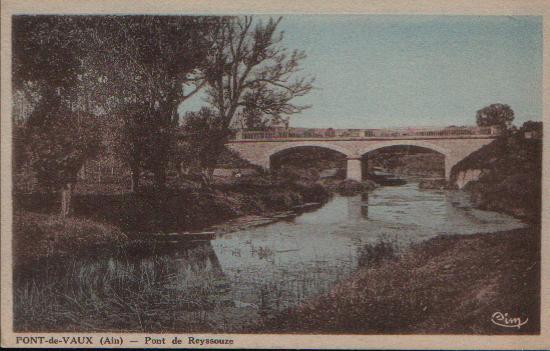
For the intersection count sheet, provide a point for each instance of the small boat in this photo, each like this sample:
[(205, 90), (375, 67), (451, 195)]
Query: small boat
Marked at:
[(306, 206)]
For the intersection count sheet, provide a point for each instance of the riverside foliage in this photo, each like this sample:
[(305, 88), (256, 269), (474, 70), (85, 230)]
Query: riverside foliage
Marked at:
[(511, 173), (127, 77)]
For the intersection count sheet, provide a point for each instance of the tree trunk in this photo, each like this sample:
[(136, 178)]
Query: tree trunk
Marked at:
[(66, 200), (210, 175), (99, 172), (204, 181), (134, 187), (83, 172), (160, 178)]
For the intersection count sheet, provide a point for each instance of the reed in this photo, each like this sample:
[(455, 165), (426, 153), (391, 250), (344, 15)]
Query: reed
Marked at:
[(119, 295)]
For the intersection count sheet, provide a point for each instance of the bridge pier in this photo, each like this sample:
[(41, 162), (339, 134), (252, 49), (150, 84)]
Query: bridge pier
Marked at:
[(450, 161), (448, 167), (353, 169)]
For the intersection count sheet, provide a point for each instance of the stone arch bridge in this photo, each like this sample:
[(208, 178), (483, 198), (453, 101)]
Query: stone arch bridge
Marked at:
[(453, 143)]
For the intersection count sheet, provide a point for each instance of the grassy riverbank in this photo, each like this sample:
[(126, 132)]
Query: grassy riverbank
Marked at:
[(107, 220), (510, 174), (449, 284), (38, 235)]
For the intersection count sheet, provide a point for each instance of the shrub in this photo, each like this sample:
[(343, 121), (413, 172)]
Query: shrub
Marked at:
[(371, 255), (352, 187)]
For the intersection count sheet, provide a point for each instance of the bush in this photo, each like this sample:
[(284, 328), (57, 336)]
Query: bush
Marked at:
[(311, 192), (41, 235), (511, 178), (291, 173), (518, 195), (352, 187), (371, 255)]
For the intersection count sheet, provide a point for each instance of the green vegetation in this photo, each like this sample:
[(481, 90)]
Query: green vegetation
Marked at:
[(511, 173), (99, 218), (446, 283), (409, 161), (81, 105), (37, 236), (311, 157), (99, 134), (107, 90), (449, 282), (500, 115), (351, 187), (122, 295), (371, 255)]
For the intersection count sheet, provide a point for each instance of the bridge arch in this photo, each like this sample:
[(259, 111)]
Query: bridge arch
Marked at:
[(420, 143), (298, 145), (289, 146), (448, 158)]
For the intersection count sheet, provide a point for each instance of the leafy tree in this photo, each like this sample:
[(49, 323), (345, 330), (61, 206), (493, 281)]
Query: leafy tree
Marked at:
[(499, 115), (250, 73), (253, 119), (46, 52), (62, 140), (532, 126), (151, 64), (131, 139), (201, 133), (47, 65)]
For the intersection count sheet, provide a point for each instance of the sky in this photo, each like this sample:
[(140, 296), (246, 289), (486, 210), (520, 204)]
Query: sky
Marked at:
[(376, 71)]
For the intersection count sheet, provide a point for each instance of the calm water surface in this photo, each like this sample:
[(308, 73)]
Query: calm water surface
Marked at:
[(245, 274)]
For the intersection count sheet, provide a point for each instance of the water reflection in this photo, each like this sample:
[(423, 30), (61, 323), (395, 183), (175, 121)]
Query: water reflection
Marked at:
[(292, 260), (365, 205), (355, 208), (232, 281)]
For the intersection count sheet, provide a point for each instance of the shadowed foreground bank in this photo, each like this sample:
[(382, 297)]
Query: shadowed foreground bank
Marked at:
[(446, 284), (104, 221)]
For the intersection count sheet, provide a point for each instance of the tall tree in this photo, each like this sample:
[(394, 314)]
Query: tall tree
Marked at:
[(47, 64), (151, 65), (46, 56), (252, 119), (199, 150), (500, 115), (62, 141), (250, 71)]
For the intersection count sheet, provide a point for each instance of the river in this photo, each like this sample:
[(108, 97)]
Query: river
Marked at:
[(234, 281)]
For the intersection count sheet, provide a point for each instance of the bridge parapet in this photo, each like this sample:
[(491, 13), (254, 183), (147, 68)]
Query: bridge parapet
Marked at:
[(394, 133)]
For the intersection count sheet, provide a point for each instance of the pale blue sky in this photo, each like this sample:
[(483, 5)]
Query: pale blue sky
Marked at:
[(376, 71)]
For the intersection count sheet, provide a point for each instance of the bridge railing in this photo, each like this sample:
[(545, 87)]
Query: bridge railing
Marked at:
[(366, 133)]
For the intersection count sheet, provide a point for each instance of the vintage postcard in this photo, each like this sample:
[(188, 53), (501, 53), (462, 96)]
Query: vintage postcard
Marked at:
[(204, 175)]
